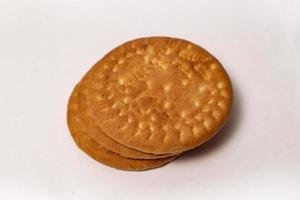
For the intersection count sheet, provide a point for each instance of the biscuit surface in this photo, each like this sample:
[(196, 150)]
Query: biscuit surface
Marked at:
[(159, 95), (94, 132), (99, 153)]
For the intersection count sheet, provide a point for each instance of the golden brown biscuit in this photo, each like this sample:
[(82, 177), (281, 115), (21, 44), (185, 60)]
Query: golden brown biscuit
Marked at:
[(98, 135), (99, 153), (159, 95)]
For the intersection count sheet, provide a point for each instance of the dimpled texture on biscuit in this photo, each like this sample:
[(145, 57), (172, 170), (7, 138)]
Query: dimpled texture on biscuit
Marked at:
[(98, 135), (159, 95), (99, 153)]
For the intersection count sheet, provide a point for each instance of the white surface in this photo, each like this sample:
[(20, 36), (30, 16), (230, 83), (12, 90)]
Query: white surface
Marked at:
[(46, 47)]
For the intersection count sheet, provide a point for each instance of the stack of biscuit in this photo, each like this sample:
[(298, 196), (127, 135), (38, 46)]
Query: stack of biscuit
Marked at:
[(147, 101)]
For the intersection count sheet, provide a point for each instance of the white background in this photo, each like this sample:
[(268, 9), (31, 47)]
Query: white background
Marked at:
[(47, 46)]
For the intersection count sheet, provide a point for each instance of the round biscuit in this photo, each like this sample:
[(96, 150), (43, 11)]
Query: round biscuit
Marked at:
[(159, 95)]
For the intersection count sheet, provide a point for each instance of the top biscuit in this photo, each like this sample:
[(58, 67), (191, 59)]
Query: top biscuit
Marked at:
[(159, 95)]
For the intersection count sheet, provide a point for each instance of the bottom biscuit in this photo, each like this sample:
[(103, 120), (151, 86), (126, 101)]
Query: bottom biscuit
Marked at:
[(100, 154)]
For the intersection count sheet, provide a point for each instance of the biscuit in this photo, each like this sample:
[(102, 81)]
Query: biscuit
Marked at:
[(99, 153), (159, 95), (98, 135)]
